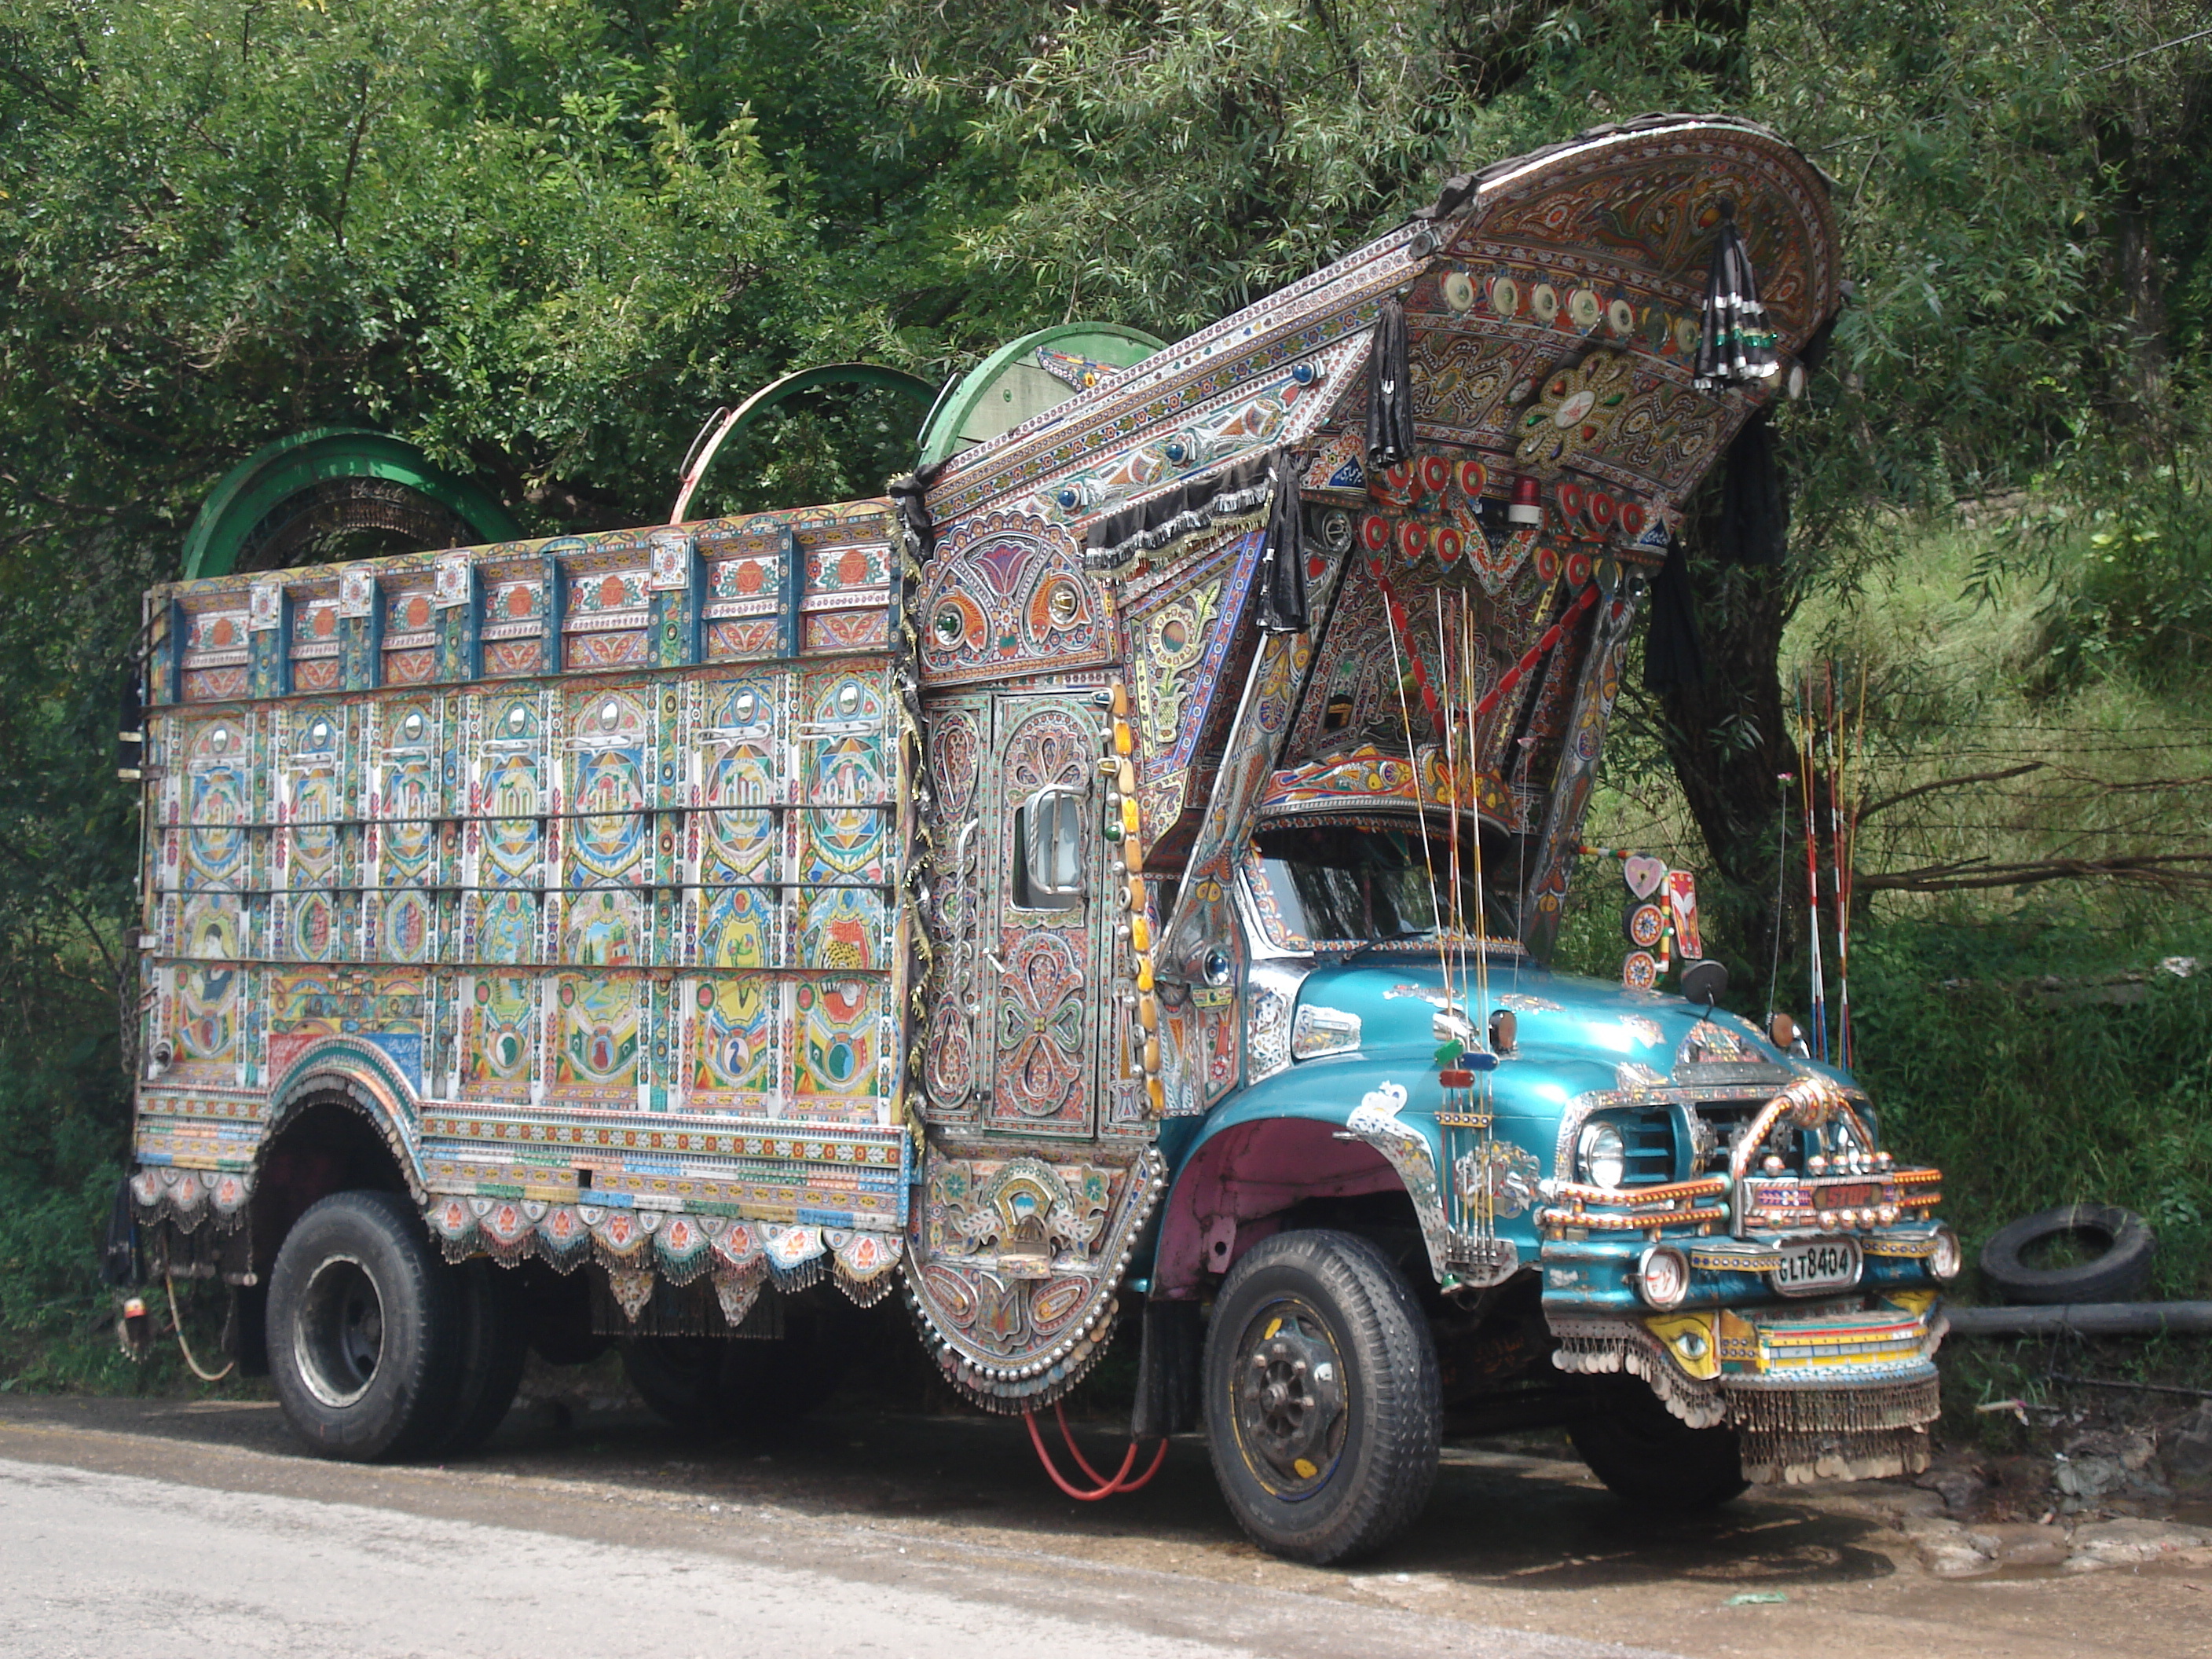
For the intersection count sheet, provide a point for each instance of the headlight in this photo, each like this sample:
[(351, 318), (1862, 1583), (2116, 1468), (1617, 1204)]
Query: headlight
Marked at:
[(1662, 1276), (1946, 1259), (1602, 1154)]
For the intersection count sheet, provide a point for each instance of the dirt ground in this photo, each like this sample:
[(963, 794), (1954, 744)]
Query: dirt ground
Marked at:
[(1517, 1536)]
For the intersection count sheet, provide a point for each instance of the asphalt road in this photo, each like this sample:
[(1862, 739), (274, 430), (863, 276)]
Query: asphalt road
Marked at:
[(154, 1529)]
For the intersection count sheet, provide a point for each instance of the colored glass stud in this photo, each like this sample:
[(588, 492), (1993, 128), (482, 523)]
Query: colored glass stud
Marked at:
[(1527, 503)]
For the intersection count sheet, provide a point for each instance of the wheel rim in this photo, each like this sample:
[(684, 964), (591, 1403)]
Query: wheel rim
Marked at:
[(1288, 1399), (339, 1336)]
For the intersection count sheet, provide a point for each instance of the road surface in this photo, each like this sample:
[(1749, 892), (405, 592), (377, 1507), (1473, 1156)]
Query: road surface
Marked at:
[(156, 1528)]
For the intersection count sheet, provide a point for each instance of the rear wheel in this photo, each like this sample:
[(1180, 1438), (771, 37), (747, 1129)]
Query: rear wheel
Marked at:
[(1322, 1406), (364, 1339), (494, 1345), (1647, 1455)]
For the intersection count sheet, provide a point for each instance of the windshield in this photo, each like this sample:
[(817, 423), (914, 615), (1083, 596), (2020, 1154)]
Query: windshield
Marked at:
[(1339, 883)]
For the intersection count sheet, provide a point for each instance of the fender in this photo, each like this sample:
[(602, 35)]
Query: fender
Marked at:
[(1326, 1128), (366, 1079)]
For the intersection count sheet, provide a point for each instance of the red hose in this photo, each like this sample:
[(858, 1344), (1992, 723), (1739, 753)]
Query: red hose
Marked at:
[(1121, 1480), (1105, 1488)]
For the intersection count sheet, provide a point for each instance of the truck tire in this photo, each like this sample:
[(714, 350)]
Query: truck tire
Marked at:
[(2129, 1246), (1648, 1455), (1323, 1410), (363, 1337), (493, 1346)]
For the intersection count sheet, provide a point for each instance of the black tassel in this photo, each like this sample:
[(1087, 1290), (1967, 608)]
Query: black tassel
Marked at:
[(910, 495), (1736, 347), (1282, 560), (1390, 390), (1672, 654), (1753, 526)]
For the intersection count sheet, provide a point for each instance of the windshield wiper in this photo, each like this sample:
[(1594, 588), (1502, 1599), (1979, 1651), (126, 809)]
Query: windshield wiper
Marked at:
[(1402, 934)]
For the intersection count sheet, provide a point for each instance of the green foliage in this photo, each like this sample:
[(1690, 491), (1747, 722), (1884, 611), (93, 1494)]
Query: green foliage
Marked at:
[(2137, 600), (2026, 1100)]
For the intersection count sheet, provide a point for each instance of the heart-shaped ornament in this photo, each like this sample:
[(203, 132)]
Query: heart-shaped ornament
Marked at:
[(1643, 874)]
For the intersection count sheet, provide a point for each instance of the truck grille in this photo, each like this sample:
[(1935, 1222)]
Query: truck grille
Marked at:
[(1650, 1136)]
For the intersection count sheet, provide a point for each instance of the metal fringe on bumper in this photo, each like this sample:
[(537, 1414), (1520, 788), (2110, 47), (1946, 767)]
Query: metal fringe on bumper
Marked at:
[(1791, 1432), (1795, 1435), (1595, 1347)]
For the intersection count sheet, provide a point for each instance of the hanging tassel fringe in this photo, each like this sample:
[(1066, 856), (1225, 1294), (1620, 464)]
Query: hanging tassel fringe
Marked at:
[(1283, 562), (1736, 347), (1389, 391)]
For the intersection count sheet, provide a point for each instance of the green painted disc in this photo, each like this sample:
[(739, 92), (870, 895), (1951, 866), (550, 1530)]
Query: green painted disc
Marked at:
[(1026, 377)]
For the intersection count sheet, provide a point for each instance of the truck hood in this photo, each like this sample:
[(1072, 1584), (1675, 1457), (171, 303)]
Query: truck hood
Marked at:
[(1574, 1034)]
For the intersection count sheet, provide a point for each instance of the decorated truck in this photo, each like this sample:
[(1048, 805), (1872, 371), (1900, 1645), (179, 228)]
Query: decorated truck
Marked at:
[(1099, 891)]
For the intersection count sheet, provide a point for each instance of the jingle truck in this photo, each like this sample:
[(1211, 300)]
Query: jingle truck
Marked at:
[(1098, 890)]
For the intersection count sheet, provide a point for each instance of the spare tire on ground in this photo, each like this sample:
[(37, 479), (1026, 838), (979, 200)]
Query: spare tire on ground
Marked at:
[(2108, 1276)]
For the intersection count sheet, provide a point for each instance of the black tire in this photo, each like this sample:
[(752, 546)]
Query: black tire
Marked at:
[(1323, 1411), (716, 1384), (1648, 1455), (493, 1346), (364, 1342), (2130, 1245)]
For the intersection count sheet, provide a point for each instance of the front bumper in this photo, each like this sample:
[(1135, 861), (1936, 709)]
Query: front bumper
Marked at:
[(1834, 1380), (1839, 1392)]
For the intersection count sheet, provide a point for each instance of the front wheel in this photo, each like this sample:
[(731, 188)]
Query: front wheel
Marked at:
[(1323, 1411), (364, 1339), (1646, 1454)]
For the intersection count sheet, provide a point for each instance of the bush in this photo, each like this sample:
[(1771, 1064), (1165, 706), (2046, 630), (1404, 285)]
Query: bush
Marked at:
[(2137, 599)]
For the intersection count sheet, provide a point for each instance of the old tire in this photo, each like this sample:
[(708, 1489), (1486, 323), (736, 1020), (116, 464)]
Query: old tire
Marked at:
[(2129, 1246), (1646, 1455), (364, 1340), (1323, 1410), (494, 1345)]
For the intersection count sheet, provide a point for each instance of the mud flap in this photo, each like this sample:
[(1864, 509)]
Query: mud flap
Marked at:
[(122, 1263), (1167, 1370)]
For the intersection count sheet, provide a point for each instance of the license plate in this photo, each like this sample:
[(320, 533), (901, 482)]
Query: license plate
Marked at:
[(1831, 1265)]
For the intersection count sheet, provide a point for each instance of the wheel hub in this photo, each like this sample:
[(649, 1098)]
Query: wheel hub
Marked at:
[(339, 1337), (1290, 1399)]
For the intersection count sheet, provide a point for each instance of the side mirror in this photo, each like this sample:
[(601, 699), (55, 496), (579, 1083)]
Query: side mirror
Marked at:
[(1704, 980), (1048, 830)]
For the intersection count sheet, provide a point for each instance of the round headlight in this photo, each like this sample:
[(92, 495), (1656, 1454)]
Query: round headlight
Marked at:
[(1662, 1276), (1603, 1155), (1946, 1259)]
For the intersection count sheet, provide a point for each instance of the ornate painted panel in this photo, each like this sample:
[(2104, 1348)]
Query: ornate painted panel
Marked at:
[(547, 916)]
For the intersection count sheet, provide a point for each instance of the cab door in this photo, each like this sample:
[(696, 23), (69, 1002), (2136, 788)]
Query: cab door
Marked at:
[(1044, 1000)]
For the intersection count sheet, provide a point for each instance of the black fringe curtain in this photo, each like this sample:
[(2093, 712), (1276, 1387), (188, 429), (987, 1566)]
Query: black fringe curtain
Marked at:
[(1282, 560), (1736, 347), (1187, 508), (1389, 389), (1753, 527), (1672, 654)]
